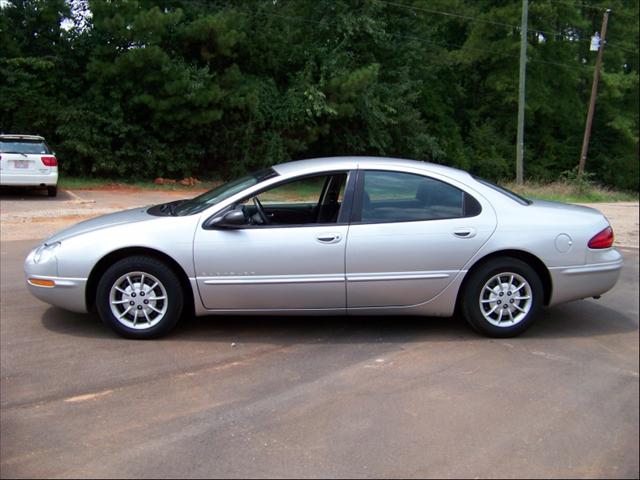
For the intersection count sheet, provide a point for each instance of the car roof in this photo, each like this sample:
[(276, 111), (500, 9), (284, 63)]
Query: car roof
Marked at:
[(20, 137), (352, 163)]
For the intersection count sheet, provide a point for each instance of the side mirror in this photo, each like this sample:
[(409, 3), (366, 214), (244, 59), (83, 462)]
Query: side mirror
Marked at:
[(232, 219)]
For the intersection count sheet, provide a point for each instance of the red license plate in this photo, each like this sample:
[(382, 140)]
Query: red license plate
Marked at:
[(21, 163)]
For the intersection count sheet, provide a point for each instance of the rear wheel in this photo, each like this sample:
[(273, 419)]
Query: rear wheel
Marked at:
[(502, 297), (140, 297), (52, 191)]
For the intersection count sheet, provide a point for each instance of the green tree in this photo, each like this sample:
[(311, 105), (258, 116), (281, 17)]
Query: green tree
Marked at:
[(143, 88)]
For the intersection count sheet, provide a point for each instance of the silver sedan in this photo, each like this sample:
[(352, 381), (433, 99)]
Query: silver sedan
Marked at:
[(331, 236)]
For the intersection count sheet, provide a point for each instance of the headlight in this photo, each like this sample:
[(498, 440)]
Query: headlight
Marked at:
[(45, 252)]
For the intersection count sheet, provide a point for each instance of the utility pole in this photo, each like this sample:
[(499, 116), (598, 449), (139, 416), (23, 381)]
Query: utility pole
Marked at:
[(521, 95), (594, 93)]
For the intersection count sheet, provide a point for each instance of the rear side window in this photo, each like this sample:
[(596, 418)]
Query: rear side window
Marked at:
[(24, 146), (405, 197)]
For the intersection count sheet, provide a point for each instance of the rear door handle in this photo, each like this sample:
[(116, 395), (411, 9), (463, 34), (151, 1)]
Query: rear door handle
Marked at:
[(465, 232), (329, 238)]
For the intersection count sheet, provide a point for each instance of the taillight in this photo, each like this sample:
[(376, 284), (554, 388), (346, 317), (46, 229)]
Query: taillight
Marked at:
[(604, 239), (49, 161)]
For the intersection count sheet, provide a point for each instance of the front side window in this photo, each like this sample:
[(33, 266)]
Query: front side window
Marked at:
[(405, 197), (309, 200)]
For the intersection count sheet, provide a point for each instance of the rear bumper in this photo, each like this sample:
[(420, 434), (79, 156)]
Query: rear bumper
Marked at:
[(583, 281), (28, 179)]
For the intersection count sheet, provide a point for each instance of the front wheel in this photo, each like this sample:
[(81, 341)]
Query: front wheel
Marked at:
[(502, 297), (140, 297)]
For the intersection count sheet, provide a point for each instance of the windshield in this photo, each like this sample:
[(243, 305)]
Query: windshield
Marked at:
[(24, 146), (222, 192)]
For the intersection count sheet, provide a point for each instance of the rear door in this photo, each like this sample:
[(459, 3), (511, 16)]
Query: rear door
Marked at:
[(410, 236)]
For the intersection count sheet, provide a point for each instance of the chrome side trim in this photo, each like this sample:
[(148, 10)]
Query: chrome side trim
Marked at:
[(355, 277), (391, 276), (270, 279), (275, 311)]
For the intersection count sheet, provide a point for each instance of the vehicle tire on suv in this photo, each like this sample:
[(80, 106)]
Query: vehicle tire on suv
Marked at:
[(52, 191), (140, 297), (502, 297)]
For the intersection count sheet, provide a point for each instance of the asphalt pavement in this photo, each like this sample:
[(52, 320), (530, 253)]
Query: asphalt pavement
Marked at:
[(318, 397)]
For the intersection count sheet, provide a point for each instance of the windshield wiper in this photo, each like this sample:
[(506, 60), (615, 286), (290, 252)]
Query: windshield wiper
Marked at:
[(19, 153), (171, 207)]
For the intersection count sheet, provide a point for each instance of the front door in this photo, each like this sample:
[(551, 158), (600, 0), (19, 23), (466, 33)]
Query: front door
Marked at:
[(410, 237), (289, 255)]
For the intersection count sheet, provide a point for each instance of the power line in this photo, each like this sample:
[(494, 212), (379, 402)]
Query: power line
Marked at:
[(575, 4), (421, 39), (492, 22), (592, 7), (397, 35), (479, 20), (633, 52), (449, 14)]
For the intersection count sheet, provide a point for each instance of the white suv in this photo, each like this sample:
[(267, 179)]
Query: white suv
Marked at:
[(27, 161)]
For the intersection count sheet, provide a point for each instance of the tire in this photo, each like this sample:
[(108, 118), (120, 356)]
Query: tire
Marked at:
[(503, 283), (52, 191), (121, 288)]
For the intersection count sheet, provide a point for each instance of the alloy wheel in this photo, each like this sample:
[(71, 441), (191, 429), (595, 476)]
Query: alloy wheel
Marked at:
[(138, 300)]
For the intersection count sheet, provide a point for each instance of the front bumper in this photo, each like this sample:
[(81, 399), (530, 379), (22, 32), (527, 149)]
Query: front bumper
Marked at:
[(44, 283), (589, 280), (67, 293)]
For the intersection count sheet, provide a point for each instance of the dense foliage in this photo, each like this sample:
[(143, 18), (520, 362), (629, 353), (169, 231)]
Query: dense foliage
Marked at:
[(141, 88)]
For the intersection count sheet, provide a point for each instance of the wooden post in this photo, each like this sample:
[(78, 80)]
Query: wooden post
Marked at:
[(521, 95), (594, 93)]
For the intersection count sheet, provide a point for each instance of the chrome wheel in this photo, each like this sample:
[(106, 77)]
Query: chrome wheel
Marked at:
[(506, 299), (138, 300)]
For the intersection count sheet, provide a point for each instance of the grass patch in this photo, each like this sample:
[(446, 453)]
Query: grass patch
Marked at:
[(570, 192), (80, 183), (560, 191)]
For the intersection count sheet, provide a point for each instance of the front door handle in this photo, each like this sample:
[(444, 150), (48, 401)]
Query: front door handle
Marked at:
[(465, 232), (329, 238)]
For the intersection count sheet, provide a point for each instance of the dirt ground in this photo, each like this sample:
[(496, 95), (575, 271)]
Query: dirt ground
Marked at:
[(623, 217), (27, 216), (325, 397)]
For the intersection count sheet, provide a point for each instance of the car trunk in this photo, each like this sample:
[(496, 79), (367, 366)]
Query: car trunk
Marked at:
[(22, 163), (23, 156)]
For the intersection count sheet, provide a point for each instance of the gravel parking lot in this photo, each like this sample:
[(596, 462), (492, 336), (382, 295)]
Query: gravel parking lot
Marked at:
[(310, 397)]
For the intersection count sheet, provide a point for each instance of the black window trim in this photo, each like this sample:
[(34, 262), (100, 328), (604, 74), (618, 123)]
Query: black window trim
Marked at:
[(346, 208), (504, 191), (356, 211)]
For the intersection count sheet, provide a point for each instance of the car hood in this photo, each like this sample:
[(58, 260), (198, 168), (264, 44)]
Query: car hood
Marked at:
[(118, 218)]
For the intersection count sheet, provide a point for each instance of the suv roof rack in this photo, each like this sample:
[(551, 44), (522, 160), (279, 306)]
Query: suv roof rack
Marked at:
[(7, 136)]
